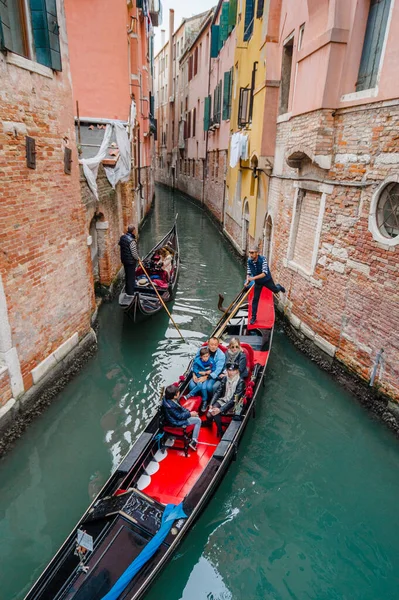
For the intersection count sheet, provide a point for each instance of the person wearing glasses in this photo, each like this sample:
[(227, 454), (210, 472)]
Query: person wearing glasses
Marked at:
[(258, 274), (236, 355)]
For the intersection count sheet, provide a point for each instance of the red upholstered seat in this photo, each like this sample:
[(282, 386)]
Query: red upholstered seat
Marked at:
[(193, 403), (178, 431), (249, 352)]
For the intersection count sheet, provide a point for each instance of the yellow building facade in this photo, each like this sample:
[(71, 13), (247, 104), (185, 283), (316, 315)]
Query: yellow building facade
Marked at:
[(246, 186)]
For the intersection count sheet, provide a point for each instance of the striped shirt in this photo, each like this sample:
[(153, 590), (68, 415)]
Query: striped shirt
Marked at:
[(265, 266), (133, 250)]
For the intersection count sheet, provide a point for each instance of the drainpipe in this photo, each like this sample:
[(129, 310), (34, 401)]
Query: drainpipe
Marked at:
[(377, 361)]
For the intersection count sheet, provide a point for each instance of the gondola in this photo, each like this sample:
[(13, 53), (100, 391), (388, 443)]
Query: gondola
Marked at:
[(145, 302), (151, 501)]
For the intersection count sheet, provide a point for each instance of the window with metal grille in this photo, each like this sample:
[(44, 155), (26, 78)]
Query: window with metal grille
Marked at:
[(387, 213), (286, 69), (249, 19), (373, 44)]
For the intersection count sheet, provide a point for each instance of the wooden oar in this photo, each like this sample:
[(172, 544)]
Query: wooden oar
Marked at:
[(233, 312), (160, 299)]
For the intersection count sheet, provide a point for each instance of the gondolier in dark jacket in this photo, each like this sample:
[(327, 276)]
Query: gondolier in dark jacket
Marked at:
[(258, 272), (129, 257), (178, 416)]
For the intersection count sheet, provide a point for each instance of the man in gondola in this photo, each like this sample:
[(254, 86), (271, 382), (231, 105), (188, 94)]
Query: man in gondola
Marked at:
[(258, 274), (129, 257)]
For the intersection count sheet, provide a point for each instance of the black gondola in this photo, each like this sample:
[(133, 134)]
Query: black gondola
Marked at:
[(127, 521), (144, 302)]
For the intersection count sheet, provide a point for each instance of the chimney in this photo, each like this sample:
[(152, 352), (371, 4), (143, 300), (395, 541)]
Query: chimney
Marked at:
[(162, 38)]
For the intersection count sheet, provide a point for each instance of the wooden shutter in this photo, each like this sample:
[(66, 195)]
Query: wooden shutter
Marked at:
[(30, 152), (373, 43), (196, 61), (232, 14), (189, 124), (249, 19), (259, 9), (219, 102), (67, 161), (207, 111), (5, 30), (214, 41), (190, 68), (226, 95), (224, 24), (46, 35)]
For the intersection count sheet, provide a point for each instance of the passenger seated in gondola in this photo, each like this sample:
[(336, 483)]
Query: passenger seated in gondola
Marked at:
[(218, 356), (228, 397), (178, 416), (203, 366), (166, 260), (235, 354)]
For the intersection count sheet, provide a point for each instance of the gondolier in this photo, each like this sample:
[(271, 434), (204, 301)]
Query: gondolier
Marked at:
[(258, 272), (129, 257)]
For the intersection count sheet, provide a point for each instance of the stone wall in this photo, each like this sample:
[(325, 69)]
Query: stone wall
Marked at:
[(341, 290)]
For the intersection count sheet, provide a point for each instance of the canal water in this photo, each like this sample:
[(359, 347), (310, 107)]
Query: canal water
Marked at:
[(309, 509)]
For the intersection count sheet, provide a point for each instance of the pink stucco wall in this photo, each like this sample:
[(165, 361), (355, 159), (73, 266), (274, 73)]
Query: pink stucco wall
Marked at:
[(330, 53), (99, 57)]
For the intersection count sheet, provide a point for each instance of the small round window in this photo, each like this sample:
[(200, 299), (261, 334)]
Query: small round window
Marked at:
[(387, 214)]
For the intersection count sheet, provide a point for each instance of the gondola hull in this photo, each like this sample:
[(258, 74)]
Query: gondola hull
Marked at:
[(125, 518), (144, 302)]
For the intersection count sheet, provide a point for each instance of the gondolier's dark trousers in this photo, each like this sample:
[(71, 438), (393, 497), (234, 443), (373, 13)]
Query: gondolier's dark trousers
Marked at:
[(267, 283), (130, 274)]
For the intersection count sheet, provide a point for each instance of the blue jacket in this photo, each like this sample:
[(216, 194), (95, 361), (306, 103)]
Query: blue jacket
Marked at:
[(175, 414), (258, 266), (220, 361), (198, 365)]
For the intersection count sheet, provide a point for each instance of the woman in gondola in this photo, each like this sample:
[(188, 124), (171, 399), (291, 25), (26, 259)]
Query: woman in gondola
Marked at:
[(235, 354), (228, 397)]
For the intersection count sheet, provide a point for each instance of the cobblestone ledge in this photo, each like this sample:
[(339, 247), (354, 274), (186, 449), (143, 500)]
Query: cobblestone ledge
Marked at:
[(29, 406)]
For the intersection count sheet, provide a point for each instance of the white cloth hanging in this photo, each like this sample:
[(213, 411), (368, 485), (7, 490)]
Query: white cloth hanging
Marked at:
[(235, 149), (90, 165)]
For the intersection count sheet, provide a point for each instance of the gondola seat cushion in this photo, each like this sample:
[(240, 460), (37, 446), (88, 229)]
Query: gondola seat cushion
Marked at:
[(192, 403), (249, 353), (178, 431)]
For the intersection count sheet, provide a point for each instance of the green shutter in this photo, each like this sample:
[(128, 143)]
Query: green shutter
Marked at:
[(224, 24), (46, 33), (214, 41), (249, 19), (219, 112), (5, 30), (226, 95), (232, 14), (207, 110)]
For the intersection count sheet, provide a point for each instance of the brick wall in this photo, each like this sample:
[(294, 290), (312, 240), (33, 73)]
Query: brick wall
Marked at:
[(351, 298), (5, 386), (215, 181), (307, 213)]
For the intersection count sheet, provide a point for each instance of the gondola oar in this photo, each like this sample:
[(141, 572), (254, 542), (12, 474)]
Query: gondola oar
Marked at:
[(160, 299), (231, 315)]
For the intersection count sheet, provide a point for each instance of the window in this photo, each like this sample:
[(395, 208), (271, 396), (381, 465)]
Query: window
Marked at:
[(194, 120), (18, 26), (207, 112), (249, 19), (300, 37), (373, 44), (259, 9), (178, 49), (189, 124), (190, 68), (305, 230), (195, 62), (217, 103), (387, 211), (243, 107), (286, 68)]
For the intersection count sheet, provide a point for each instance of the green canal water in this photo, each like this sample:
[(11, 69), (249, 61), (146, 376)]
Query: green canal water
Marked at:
[(309, 509)]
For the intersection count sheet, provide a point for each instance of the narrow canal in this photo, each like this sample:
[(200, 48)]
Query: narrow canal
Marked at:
[(309, 510)]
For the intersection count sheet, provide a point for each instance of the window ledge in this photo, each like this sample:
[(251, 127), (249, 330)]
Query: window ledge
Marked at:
[(284, 117), (28, 65), (362, 95)]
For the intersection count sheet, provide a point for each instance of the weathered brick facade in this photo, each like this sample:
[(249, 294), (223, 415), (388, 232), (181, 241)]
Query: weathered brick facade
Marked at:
[(46, 291), (350, 297)]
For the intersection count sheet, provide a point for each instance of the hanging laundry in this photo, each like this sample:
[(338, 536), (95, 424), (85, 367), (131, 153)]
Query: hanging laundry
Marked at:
[(235, 149)]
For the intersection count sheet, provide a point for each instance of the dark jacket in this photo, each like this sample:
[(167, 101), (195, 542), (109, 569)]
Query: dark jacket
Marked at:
[(241, 361), (220, 392), (175, 414), (126, 253)]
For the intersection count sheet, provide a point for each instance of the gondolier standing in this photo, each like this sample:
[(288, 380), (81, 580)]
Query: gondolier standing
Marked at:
[(258, 272), (129, 257)]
